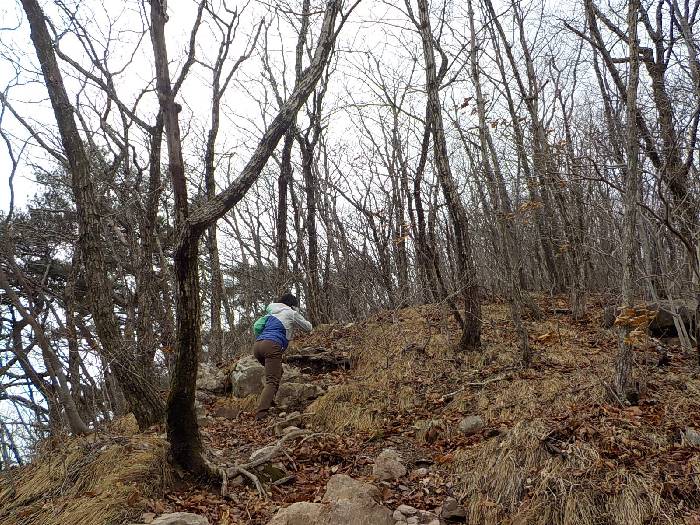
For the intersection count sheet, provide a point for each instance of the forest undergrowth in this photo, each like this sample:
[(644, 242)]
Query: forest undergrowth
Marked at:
[(556, 447)]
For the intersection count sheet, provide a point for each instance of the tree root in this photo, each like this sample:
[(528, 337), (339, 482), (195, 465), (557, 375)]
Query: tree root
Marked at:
[(245, 469)]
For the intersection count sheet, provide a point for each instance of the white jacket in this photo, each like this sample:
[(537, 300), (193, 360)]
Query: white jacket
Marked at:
[(280, 324)]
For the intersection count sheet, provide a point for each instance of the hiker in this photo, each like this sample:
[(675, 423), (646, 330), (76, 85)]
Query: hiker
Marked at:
[(273, 333)]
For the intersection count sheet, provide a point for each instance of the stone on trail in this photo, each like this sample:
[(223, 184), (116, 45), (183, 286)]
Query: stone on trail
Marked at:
[(343, 487), (257, 454), (180, 518), (407, 510), (388, 465), (471, 425), (301, 513), (420, 473), (347, 501), (451, 509), (211, 379), (247, 377), (294, 419), (691, 437), (293, 394)]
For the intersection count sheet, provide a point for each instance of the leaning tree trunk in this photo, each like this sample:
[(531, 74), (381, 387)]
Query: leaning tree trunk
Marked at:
[(182, 426), (466, 273)]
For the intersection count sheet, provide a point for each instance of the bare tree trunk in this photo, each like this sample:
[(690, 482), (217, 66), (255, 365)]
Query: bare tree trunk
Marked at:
[(466, 273), (625, 356), (310, 183), (285, 178), (147, 283), (501, 202)]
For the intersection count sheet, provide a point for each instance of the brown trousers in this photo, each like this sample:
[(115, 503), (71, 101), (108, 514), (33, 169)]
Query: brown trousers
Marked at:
[(269, 354)]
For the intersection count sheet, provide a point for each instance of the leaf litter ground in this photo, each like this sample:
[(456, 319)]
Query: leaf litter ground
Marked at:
[(554, 449)]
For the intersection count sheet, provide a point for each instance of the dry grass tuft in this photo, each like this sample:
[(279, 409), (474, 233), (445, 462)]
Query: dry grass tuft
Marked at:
[(559, 452), (95, 480), (393, 352), (244, 404)]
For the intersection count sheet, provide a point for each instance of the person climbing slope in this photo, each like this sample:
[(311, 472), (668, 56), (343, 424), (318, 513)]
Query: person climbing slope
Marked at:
[(273, 332)]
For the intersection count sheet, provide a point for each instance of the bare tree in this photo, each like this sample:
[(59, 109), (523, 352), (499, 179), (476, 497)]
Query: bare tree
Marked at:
[(466, 276)]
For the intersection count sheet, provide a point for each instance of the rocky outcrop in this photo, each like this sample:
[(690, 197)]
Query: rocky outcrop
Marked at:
[(318, 359)]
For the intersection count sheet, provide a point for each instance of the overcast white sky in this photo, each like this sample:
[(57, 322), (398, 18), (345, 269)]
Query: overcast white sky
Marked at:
[(241, 115), (377, 26)]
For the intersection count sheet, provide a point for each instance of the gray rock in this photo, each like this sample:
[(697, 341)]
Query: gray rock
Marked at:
[(302, 513), (407, 510), (420, 472), (429, 518), (413, 520), (294, 419), (257, 454), (180, 518), (353, 512), (210, 379), (343, 487), (388, 465), (471, 425), (248, 376), (398, 516), (347, 501), (691, 437), (293, 394), (451, 509)]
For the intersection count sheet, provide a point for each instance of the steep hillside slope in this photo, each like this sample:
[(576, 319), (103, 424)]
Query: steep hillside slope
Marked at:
[(547, 445)]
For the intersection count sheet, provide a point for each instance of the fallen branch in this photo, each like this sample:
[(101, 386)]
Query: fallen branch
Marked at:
[(482, 383)]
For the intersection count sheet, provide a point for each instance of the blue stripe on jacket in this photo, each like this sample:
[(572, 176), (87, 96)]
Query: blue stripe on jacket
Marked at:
[(274, 331)]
